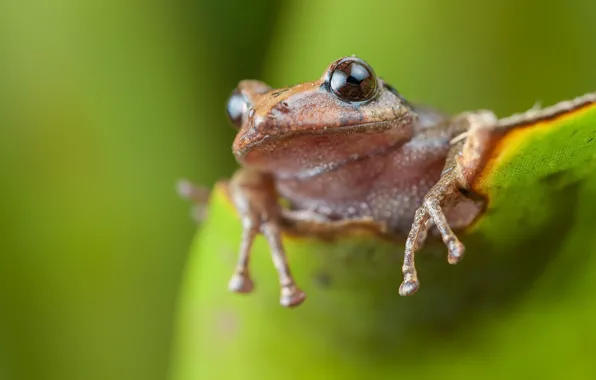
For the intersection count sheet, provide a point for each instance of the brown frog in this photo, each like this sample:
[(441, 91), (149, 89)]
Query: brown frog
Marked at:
[(344, 149)]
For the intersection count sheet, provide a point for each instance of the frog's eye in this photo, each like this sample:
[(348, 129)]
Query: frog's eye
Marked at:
[(353, 80), (236, 108)]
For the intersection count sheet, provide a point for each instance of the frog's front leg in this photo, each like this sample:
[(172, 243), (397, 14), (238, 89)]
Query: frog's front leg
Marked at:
[(254, 195), (465, 157)]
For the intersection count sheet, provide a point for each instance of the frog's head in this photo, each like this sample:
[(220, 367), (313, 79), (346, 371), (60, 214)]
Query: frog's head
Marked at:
[(346, 114)]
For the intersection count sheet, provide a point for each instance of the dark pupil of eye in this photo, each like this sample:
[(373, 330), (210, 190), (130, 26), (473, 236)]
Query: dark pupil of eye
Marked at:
[(236, 108), (352, 81)]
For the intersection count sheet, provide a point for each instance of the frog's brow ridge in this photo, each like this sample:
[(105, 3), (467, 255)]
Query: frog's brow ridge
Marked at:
[(277, 93)]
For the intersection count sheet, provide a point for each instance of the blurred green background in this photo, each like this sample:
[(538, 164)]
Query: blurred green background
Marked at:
[(105, 104)]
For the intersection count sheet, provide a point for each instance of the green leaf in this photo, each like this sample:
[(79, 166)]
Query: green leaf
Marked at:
[(517, 306)]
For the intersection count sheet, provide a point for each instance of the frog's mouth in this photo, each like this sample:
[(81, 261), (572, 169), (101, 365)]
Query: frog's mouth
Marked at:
[(303, 154)]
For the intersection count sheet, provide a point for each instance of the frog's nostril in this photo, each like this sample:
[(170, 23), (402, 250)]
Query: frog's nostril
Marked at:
[(251, 115)]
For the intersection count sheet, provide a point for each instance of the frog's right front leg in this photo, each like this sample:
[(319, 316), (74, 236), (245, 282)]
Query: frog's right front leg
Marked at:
[(256, 200)]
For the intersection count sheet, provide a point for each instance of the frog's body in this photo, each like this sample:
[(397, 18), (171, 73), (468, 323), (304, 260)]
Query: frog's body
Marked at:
[(386, 185), (374, 157), (347, 147)]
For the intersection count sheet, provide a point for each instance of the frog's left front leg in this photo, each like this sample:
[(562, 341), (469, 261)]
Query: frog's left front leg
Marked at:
[(464, 156), (254, 195)]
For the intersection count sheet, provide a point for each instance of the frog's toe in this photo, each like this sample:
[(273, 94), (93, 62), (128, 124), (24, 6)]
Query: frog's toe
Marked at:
[(241, 283), (456, 251), (291, 296), (409, 287)]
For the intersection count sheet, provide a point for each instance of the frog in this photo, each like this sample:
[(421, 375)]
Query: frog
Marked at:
[(348, 149)]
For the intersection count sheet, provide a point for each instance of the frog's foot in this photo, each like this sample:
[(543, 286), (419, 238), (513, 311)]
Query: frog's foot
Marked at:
[(196, 194), (464, 158), (444, 191), (255, 198)]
